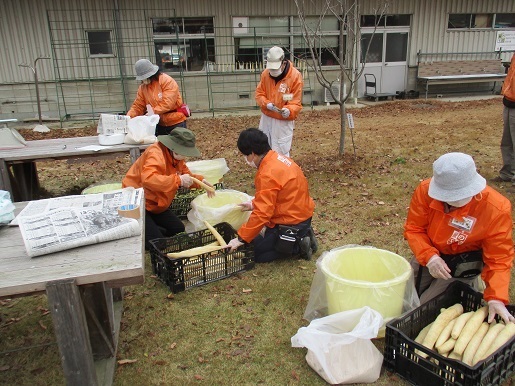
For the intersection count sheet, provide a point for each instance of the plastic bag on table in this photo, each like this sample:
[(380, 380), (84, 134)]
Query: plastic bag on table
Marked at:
[(6, 208), (223, 207), (141, 130), (318, 304), (339, 346)]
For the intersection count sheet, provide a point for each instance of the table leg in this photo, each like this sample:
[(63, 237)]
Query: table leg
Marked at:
[(135, 153), (5, 182), (72, 332), (26, 181)]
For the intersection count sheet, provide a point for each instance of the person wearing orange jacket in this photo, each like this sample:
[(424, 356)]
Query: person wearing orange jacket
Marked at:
[(507, 172), (158, 94), (282, 206), (459, 228), (279, 95), (161, 170)]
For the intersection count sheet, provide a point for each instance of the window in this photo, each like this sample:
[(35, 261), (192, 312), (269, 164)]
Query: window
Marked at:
[(470, 20), (385, 21), (184, 44), (252, 43), (99, 43), (504, 20)]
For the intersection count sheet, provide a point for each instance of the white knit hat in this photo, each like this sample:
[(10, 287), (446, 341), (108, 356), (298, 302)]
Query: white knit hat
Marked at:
[(455, 178)]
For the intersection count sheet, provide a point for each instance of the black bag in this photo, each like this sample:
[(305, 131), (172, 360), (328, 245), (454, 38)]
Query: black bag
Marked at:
[(286, 238), (466, 264)]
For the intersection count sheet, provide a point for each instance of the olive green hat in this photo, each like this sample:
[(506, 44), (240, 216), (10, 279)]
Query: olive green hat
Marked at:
[(181, 141)]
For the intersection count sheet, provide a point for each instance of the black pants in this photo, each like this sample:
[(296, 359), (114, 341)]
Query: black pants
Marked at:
[(164, 130), (264, 246), (159, 225)]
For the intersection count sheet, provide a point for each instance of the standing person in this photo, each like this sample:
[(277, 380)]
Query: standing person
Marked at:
[(507, 172), (279, 95), (282, 205), (460, 228), (161, 170), (158, 94)]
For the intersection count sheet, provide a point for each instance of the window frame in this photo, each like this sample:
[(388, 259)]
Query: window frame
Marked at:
[(108, 43)]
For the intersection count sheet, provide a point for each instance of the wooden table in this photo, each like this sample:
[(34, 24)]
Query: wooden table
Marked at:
[(18, 173), (83, 286)]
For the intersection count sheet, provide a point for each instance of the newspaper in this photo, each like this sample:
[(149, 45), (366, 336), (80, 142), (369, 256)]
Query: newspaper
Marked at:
[(61, 223)]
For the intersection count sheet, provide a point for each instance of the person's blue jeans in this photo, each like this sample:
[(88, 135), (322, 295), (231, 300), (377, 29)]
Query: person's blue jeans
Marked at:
[(264, 246)]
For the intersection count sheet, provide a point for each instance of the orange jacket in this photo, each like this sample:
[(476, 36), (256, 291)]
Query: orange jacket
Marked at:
[(429, 231), (508, 87), (157, 172), (269, 91), (164, 97), (282, 196)]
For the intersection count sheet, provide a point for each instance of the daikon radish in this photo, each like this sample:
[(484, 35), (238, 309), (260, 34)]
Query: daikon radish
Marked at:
[(454, 355), (439, 324), (474, 343), (470, 329), (422, 334), (195, 251), (489, 338), (460, 323), (215, 233), (446, 334), (504, 336), (203, 185), (447, 346)]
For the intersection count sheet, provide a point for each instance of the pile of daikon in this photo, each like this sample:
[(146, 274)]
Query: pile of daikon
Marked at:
[(464, 336)]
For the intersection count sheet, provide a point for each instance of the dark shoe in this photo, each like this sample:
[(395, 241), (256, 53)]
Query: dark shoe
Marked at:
[(499, 179), (314, 242), (305, 248)]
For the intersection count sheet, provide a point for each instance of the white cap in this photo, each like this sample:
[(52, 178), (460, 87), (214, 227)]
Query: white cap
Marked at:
[(274, 58), (455, 178)]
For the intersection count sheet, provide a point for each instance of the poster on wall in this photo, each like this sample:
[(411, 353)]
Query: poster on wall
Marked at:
[(505, 41)]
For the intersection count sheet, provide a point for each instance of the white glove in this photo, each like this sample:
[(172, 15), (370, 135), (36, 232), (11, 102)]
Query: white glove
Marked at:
[(285, 112), (438, 268), (496, 307), (270, 106), (150, 110), (246, 206), (186, 180), (234, 244)]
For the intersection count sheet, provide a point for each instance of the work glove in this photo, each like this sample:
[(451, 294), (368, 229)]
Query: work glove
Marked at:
[(285, 112), (438, 268), (209, 194), (496, 307), (270, 106), (234, 244), (246, 206), (186, 180)]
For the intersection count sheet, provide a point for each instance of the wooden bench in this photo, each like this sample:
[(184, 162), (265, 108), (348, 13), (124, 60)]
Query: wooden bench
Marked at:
[(460, 71)]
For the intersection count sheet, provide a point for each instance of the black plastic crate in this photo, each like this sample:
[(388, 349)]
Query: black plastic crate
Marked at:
[(400, 355), (180, 274), (181, 204)]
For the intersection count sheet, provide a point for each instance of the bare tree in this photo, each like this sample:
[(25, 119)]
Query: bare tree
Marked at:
[(347, 58)]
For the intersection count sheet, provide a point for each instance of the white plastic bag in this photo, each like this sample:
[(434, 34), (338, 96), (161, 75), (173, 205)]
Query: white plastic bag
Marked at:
[(141, 130), (212, 170), (223, 207), (6, 208), (339, 346)]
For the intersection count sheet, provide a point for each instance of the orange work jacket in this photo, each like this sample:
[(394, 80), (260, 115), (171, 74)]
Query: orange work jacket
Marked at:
[(282, 196), (484, 223), (157, 172), (269, 91), (508, 87), (164, 97)]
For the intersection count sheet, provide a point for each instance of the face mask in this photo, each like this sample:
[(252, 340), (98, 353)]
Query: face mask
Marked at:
[(275, 73), (178, 157), (460, 203), (146, 81), (251, 163)]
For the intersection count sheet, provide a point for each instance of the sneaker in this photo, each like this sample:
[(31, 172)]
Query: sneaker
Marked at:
[(305, 248), (314, 242)]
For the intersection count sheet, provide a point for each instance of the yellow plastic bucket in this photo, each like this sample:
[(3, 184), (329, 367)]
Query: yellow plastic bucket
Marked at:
[(360, 276)]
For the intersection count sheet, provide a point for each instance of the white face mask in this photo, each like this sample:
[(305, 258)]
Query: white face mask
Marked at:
[(251, 163), (460, 203), (275, 73), (178, 157), (146, 81)]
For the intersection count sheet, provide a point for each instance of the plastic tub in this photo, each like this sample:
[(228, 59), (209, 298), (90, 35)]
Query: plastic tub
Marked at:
[(212, 170), (358, 277)]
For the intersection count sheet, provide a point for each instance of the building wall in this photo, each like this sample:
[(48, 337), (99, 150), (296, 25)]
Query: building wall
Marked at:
[(26, 25)]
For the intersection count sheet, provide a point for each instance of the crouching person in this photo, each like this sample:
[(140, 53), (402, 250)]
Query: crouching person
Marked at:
[(282, 205)]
